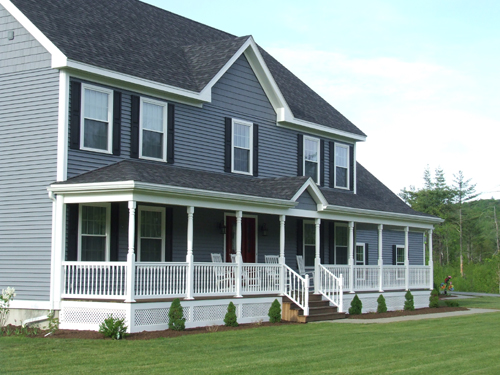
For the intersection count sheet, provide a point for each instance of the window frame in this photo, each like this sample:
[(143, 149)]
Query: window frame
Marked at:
[(165, 127), (108, 230), (109, 92), (400, 247), (140, 209), (347, 147), (250, 164), (318, 141), (344, 225), (363, 262), (304, 223)]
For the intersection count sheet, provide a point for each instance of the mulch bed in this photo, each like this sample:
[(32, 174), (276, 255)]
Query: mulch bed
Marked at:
[(392, 314)]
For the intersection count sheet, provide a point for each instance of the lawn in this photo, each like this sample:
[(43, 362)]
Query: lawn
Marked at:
[(458, 345)]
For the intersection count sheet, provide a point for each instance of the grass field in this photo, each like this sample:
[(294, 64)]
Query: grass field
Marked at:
[(458, 345)]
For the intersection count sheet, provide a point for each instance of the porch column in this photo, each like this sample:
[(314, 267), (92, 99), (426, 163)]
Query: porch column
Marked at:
[(380, 260), (407, 261), (282, 254), (239, 259), (189, 255), (351, 257), (59, 246), (132, 205), (317, 259), (431, 263)]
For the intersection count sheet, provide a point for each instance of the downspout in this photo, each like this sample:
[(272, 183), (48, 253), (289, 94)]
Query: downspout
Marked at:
[(52, 247), (33, 320)]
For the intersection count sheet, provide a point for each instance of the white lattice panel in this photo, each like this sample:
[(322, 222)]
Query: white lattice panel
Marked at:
[(255, 310), (145, 317), (210, 313), (394, 301), (85, 315)]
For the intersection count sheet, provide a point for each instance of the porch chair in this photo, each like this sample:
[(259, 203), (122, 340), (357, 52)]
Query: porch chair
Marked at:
[(272, 274), (233, 258), (216, 258), (302, 269), (223, 278), (272, 259)]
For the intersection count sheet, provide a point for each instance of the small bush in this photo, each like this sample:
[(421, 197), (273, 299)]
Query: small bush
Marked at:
[(434, 299), (275, 312), (409, 305), (53, 322), (230, 318), (381, 307), (356, 306), (114, 328), (451, 303), (176, 320)]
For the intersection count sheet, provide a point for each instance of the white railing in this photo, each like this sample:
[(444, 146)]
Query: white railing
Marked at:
[(212, 279), (260, 278), (160, 279), (420, 277), (297, 288), (366, 278), (330, 286), (394, 277), (94, 279), (338, 270)]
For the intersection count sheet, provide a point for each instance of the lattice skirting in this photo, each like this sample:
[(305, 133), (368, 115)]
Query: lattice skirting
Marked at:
[(393, 300), (154, 316)]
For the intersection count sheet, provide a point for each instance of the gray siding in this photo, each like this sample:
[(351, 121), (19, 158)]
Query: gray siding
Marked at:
[(28, 140), (416, 248), (368, 234), (306, 202)]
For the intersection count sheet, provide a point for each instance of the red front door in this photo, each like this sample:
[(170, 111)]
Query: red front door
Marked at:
[(247, 238)]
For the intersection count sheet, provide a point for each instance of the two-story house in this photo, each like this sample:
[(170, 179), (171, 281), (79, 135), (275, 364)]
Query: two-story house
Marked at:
[(147, 157)]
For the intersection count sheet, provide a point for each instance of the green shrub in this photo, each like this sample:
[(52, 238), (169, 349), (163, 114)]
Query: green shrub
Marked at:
[(451, 303), (176, 320), (275, 312), (381, 307), (113, 327), (434, 299), (53, 322), (230, 318), (356, 306), (409, 305)]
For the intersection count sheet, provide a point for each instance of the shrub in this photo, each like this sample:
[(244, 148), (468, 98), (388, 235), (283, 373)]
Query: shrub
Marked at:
[(381, 307), (356, 306), (275, 312), (230, 318), (53, 322), (113, 327), (409, 305), (176, 320), (451, 303), (5, 298), (434, 299)]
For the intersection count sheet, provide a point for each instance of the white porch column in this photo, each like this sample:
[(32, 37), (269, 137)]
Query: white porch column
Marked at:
[(282, 254), (317, 259), (239, 260), (132, 205), (351, 257), (380, 260), (407, 261), (431, 263), (189, 255), (59, 247)]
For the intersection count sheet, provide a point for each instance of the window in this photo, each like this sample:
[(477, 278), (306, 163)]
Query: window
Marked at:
[(153, 130), (94, 233), (311, 158), (341, 166), (96, 124), (151, 236), (400, 255), (309, 243), (360, 254), (341, 243), (242, 146)]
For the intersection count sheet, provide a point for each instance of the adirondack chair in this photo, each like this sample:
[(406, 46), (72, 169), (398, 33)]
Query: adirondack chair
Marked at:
[(302, 269), (233, 258), (222, 276), (272, 274)]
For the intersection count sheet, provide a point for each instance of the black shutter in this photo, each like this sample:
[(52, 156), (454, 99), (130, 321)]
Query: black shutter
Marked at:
[(300, 155), (367, 263), (227, 144), (332, 164), (351, 168), (300, 241), (393, 255), (115, 228), (76, 102), (170, 135), (134, 132), (322, 162), (322, 242), (255, 150), (72, 240), (169, 220), (331, 243), (117, 122)]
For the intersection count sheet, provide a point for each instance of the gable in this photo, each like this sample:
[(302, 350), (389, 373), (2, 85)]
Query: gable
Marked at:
[(306, 202)]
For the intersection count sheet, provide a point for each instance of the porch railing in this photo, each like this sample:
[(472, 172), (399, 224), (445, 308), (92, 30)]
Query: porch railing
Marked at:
[(330, 286), (160, 279), (420, 276), (214, 279), (297, 288), (366, 278), (394, 277), (338, 270), (260, 278)]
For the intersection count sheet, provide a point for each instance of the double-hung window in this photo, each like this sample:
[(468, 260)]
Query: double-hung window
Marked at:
[(96, 121), (153, 130), (311, 158), (360, 254), (341, 166), (309, 243), (151, 234), (94, 232), (400, 255), (341, 243), (242, 147)]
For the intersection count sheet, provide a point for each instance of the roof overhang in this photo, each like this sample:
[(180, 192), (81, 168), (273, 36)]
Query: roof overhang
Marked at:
[(315, 193)]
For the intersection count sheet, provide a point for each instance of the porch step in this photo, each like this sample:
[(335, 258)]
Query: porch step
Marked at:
[(319, 310)]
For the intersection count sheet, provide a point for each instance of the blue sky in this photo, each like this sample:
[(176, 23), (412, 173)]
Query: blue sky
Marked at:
[(420, 78)]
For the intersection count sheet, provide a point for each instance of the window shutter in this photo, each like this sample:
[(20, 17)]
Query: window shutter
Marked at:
[(322, 242), (300, 241), (255, 150), (134, 131), (227, 145), (332, 164), (322, 162), (351, 168), (169, 215), (115, 228), (75, 118), (393, 255), (117, 122), (367, 263), (331, 243), (170, 133), (300, 155), (72, 240)]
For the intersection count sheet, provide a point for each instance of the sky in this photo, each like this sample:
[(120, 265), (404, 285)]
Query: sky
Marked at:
[(420, 78)]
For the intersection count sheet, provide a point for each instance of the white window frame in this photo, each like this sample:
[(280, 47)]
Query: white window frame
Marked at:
[(250, 164), (108, 228), (308, 222), (165, 127), (139, 234), (363, 245), (397, 248), (335, 241), (341, 145), (109, 92), (318, 142)]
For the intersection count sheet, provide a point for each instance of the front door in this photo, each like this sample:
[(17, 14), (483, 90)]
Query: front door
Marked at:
[(247, 238)]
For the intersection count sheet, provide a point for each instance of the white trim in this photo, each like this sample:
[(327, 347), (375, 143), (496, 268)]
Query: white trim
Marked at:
[(363, 245), (317, 129), (164, 106), (250, 135), (62, 127), (348, 176), (315, 192), (318, 151), (162, 210), (86, 86), (256, 217), (30, 305), (108, 229), (355, 171)]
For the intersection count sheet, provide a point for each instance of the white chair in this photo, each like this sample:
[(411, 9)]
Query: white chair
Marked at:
[(216, 258), (233, 258), (222, 276), (272, 259), (302, 269), (272, 273)]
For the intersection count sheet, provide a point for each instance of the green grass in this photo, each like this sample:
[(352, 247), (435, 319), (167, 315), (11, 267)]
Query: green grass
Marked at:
[(480, 302)]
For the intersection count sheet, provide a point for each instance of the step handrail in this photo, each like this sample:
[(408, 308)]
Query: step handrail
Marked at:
[(330, 286), (297, 288)]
